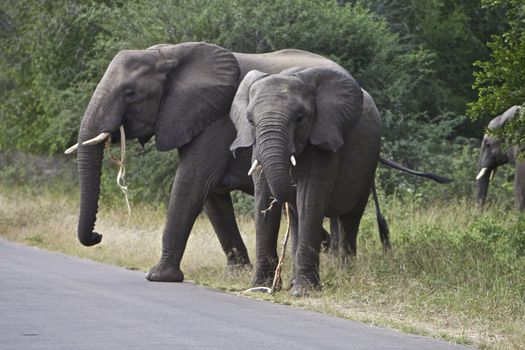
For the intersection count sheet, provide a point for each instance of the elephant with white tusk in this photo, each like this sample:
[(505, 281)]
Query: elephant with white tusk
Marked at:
[(180, 95), (492, 155), (322, 117)]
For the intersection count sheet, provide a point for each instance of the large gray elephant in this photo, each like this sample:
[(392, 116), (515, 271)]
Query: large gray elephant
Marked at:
[(493, 155), (317, 138), (181, 94)]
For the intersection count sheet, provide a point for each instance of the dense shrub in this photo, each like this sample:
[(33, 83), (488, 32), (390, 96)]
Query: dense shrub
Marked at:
[(54, 53)]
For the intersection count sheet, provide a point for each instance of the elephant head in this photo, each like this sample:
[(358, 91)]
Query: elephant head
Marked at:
[(493, 155), (170, 91), (282, 114)]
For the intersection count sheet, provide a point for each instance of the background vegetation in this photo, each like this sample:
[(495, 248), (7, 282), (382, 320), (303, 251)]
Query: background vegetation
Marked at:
[(415, 58), (453, 273), (418, 59)]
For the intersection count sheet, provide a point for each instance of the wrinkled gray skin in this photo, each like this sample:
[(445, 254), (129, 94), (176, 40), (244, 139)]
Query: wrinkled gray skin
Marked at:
[(181, 94), (493, 155), (319, 115)]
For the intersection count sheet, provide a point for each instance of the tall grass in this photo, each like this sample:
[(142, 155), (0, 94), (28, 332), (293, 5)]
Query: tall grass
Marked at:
[(454, 272)]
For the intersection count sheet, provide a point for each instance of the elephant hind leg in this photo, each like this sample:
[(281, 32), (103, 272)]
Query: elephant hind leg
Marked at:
[(334, 236), (219, 209), (348, 229)]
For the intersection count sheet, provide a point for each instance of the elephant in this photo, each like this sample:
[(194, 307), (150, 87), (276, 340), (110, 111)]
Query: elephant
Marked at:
[(180, 94), (493, 155), (316, 142)]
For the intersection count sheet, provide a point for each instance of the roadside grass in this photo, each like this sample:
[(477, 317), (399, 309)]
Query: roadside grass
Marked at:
[(454, 273)]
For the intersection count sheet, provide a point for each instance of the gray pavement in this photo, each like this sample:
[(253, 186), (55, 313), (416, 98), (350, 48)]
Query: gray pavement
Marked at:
[(53, 301)]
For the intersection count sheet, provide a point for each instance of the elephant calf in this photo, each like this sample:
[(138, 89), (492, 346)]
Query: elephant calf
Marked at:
[(318, 145), (493, 155)]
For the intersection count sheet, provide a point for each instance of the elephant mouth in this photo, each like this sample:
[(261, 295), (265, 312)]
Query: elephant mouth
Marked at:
[(114, 137)]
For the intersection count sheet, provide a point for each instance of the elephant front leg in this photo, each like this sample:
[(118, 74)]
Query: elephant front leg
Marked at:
[(311, 207), (306, 261), (202, 164), (185, 204), (267, 223), (219, 209), (191, 187), (315, 181)]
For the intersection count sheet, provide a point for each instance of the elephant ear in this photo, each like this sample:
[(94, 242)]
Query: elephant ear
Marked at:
[(239, 112), (504, 118), (200, 86), (338, 104)]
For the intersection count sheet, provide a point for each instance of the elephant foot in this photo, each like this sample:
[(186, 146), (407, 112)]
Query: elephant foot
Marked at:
[(304, 285), (263, 279), (163, 272), (238, 259)]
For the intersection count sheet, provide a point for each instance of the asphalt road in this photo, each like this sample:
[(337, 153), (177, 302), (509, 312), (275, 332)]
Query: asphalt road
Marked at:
[(53, 301)]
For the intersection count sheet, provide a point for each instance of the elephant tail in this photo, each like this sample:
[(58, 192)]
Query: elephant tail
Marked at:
[(437, 178), (384, 231)]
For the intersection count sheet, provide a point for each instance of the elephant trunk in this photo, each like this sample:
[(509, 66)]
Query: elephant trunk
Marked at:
[(89, 160), (272, 151), (89, 163)]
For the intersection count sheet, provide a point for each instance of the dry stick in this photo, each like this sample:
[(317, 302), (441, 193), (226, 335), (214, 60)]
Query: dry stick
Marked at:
[(277, 281), (269, 207), (121, 181)]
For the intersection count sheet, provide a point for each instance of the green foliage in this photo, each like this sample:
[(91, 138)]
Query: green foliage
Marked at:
[(243, 204), (43, 55), (413, 57), (500, 81), (501, 235), (32, 173), (454, 32)]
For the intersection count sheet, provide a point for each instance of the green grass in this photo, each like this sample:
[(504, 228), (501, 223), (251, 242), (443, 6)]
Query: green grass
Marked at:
[(454, 273)]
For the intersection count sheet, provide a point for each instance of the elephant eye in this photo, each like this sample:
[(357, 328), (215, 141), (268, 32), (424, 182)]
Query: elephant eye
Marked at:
[(129, 93), (250, 118)]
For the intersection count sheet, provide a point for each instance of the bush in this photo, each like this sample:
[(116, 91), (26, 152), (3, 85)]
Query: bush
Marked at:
[(54, 54)]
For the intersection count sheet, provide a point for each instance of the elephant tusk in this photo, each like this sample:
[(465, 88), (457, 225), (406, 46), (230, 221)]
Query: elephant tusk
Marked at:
[(254, 166), (292, 159), (493, 174), (71, 149), (100, 138), (482, 173)]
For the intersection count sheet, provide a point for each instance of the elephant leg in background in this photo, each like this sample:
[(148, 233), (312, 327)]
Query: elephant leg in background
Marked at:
[(519, 185), (336, 239), (334, 235), (348, 229), (219, 209), (267, 223), (294, 236), (326, 242), (201, 167)]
